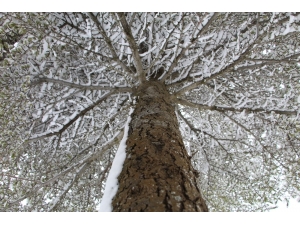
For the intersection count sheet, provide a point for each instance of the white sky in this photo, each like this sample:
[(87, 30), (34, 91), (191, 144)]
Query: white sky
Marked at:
[(294, 206), (153, 6)]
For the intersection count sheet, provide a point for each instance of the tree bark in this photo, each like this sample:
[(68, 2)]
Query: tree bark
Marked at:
[(157, 174)]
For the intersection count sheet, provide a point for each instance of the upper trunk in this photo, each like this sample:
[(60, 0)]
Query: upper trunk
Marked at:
[(157, 173)]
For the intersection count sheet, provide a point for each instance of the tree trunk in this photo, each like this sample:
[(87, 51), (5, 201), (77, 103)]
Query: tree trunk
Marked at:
[(157, 174)]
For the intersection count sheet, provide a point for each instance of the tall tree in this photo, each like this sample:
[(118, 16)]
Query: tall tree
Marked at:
[(181, 111)]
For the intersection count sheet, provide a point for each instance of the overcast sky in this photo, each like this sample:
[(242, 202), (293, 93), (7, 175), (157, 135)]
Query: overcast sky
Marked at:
[(294, 206)]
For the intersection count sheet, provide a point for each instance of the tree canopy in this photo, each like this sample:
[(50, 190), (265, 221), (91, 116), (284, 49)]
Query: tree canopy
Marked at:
[(68, 82)]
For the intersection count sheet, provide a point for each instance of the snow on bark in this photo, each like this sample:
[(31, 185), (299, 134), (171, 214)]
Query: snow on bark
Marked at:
[(157, 175), (112, 185)]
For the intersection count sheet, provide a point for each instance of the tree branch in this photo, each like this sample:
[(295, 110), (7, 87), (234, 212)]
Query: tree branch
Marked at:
[(88, 159), (82, 113), (134, 48), (232, 109), (264, 62), (196, 131), (75, 179), (109, 43), (193, 40), (79, 86), (230, 66)]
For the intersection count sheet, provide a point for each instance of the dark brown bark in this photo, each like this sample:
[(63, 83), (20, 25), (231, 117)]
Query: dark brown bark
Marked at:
[(157, 174)]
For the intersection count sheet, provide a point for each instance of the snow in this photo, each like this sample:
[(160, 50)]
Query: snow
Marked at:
[(111, 186), (15, 45)]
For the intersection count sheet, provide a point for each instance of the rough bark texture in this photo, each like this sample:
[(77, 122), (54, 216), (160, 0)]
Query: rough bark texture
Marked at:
[(157, 175)]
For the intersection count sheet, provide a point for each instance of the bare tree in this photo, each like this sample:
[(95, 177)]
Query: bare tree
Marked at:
[(201, 111)]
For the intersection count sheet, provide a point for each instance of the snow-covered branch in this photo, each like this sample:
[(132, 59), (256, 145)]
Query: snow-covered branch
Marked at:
[(134, 48), (109, 43), (232, 109), (84, 161), (71, 121), (191, 42), (39, 80)]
